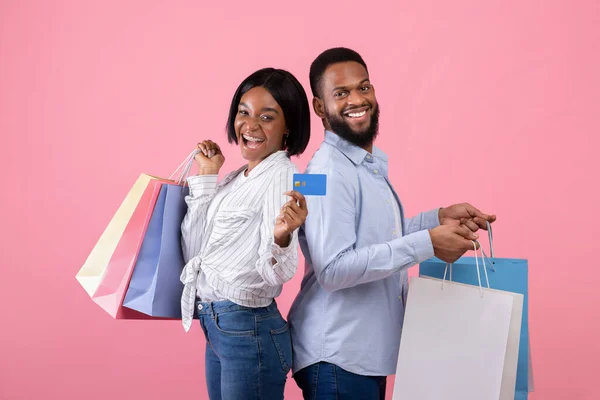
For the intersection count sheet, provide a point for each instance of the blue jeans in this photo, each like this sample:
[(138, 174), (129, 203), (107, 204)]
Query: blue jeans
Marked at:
[(324, 381), (248, 350)]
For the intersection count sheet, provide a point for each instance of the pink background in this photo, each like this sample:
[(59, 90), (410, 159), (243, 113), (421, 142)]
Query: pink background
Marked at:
[(492, 102)]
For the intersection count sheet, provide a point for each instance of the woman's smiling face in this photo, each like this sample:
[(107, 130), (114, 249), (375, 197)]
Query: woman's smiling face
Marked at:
[(259, 125)]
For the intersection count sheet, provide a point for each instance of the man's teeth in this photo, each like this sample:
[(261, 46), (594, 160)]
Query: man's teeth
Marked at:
[(252, 139), (357, 115)]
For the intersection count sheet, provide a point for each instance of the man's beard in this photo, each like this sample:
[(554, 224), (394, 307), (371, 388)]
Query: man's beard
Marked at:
[(361, 139)]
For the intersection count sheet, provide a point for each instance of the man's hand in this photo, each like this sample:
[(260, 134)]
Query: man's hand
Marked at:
[(465, 214), (450, 242)]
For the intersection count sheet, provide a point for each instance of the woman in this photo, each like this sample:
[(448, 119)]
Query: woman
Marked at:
[(240, 239)]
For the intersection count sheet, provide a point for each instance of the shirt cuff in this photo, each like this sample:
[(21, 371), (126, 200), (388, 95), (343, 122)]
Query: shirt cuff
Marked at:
[(277, 250), (202, 184), (285, 255), (420, 243), (431, 219)]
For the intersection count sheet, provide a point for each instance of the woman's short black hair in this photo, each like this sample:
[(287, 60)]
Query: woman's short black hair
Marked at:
[(291, 97)]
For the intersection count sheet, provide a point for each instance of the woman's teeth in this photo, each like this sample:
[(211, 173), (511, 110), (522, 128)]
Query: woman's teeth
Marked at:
[(252, 139)]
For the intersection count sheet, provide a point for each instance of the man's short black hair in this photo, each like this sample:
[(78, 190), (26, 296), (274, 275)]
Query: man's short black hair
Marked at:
[(291, 97), (327, 58)]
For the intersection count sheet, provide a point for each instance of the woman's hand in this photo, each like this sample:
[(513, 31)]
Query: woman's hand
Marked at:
[(292, 216), (210, 159)]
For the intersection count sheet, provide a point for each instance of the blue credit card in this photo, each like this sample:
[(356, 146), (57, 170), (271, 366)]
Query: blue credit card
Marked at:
[(310, 184)]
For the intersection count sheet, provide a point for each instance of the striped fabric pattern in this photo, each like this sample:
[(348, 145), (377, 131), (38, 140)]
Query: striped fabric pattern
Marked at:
[(235, 249)]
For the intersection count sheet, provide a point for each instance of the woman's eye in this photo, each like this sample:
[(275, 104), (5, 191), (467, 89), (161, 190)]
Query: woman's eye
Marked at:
[(243, 112), (266, 118)]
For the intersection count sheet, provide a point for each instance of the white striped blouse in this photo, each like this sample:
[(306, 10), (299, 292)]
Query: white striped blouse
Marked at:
[(234, 250)]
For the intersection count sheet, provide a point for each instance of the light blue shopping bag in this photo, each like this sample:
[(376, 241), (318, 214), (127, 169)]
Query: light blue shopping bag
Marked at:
[(155, 288), (508, 274)]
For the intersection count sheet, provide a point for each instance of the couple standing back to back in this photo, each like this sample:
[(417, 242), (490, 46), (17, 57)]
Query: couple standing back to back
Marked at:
[(240, 240)]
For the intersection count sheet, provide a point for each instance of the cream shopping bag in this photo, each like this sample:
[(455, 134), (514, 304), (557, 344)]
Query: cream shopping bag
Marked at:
[(93, 270)]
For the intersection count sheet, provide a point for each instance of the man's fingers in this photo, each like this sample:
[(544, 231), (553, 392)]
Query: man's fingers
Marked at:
[(492, 218), (471, 224), (481, 222), (467, 245), (473, 211), (476, 213), (465, 232)]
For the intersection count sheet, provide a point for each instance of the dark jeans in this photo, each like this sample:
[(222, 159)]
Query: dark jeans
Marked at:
[(324, 381), (248, 351)]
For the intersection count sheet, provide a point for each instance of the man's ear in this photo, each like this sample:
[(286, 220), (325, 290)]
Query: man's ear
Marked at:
[(319, 107)]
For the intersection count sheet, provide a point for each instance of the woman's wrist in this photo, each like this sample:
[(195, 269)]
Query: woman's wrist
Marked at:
[(208, 171), (283, 242)]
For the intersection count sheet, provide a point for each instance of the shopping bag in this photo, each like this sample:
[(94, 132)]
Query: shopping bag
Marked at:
[(108, 269), (506, 274), (155, 288), (112, 287), (459, 342), (92, 271)]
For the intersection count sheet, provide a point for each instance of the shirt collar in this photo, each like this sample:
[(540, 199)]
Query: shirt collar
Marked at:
[(263, 166), (267, 163), (356, 154)]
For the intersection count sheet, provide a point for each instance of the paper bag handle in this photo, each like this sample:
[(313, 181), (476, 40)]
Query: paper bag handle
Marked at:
[(185, 167), (487, 281), (491, 240)]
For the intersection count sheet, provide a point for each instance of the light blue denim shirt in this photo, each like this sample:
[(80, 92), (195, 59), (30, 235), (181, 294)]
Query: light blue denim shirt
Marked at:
[(350, 308)]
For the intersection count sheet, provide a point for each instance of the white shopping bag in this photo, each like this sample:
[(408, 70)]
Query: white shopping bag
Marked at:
[(530, 384), (459, 342)]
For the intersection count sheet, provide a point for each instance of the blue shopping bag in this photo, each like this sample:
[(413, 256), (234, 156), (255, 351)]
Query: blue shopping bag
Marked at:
[(508, 274), (155, 288)]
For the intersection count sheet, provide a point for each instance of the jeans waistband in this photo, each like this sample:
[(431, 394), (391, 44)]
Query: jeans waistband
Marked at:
[(223, 306)]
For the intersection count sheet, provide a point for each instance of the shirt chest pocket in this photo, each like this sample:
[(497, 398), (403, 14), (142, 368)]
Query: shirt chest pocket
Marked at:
[(229, 225)]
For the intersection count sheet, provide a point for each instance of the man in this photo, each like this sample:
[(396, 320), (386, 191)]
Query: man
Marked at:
[(347, 319)]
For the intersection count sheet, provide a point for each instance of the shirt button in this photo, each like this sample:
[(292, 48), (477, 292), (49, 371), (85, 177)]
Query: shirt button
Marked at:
[(376, 171), (200, 307), (394, 233)]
